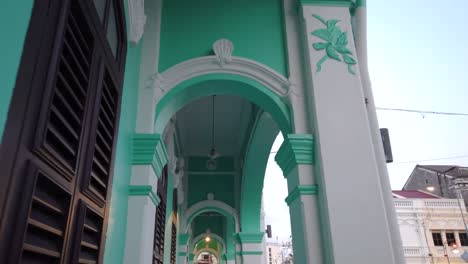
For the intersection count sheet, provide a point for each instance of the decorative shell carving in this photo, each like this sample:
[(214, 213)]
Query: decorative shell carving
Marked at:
[(223, 49)]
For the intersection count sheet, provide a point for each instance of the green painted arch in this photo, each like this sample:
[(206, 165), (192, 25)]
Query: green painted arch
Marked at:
[(222, 84), (256, 159), (230, 217), (199, 243)]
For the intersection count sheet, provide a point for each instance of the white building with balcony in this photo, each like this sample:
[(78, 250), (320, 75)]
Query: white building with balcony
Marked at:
[(432, 228)]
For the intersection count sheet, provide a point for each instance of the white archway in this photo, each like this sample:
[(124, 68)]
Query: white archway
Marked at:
[(209, 206), (251, 69), (201, 236)]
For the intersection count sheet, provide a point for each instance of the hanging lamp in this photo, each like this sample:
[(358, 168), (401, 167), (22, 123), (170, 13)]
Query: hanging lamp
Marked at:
[(213, 153)]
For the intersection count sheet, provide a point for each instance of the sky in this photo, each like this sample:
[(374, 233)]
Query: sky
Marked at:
[(418, 60)]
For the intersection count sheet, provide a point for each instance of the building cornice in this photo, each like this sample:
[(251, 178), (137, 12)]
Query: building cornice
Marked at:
[(301, 190), (246, 238), (149, 149), (144, 190), (296, 149)]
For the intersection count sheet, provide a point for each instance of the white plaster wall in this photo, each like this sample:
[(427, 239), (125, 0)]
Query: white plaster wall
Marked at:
[(346, 148)]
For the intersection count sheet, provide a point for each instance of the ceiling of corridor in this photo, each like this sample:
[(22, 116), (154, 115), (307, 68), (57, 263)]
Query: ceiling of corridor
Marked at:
[(233, 117)]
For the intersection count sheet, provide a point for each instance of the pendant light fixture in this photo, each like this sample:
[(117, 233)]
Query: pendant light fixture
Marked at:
[(213, 154)]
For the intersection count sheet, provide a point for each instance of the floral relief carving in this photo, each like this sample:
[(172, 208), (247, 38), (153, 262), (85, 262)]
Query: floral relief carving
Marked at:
[(335, 45)]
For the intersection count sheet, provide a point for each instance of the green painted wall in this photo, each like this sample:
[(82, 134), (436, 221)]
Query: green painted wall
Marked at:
[(221, 185), (215, 223), (14, 22), (255, 27), (213, 244), (222, 164), (116, 232)]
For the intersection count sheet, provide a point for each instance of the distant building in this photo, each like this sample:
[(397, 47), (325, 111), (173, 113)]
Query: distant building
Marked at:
[(273, 253), (278, 253), (438, 179), (432, 229)]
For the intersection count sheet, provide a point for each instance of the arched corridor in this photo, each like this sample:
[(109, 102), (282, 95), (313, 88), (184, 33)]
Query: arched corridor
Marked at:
[(146, 137)]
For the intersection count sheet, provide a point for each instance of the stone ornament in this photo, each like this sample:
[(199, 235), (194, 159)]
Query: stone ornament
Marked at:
[(223, 49), (336, 44)]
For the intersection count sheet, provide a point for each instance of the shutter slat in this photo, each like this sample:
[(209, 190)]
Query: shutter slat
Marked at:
[(75, 62), (108, 106), (41, 251), (80, 36), (76, 46), (50, 207), (108, 148), (72, 73), (108, 121), (70, 92), (45, 227), (63, 142), (65, 123)]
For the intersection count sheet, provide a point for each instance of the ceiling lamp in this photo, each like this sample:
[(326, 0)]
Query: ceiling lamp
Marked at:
[(207, 238), (213, 153)]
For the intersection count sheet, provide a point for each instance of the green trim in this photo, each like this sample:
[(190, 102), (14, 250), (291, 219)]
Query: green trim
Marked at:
[(301, 190), (296, 149), (149, 149), (182, 254), (360, 3), (143, 190), (229, 256), (249, 253), (342, 3), (244, 237), (183, 238), (228, 215)]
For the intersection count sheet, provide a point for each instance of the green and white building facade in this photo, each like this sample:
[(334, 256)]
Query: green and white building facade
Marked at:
[(132, 130)]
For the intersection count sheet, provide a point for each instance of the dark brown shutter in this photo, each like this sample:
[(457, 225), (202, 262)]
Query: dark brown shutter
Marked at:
[(160, 220), (174, 227), (173, 243), (57, 161)]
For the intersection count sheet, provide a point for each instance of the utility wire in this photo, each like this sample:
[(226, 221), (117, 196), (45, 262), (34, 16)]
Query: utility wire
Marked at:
[(421, 111), (416, 161)]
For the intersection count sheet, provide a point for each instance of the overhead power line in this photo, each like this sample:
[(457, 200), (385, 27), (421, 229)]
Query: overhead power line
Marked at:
[(416, 161), (421, 111)]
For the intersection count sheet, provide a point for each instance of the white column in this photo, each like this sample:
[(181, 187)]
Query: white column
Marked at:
[(250, 247), (149, 156), (295, 157), (348, 174), (182, 248), (360, 33), (140, 230)]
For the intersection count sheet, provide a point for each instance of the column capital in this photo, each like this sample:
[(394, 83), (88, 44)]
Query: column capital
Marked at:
[(250, 238), (149, 149), (296, 149), (301, 190), (144, 190), (341, 3)]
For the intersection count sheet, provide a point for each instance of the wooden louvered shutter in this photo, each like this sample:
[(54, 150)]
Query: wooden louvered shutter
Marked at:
[(173, 243), (57, 152), (160, 220), (174, 227)]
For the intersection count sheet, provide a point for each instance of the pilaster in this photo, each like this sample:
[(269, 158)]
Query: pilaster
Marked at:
[(296, 158), (149, 157), (345, 154), (251, 249)]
